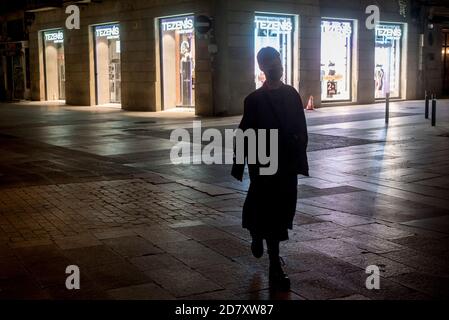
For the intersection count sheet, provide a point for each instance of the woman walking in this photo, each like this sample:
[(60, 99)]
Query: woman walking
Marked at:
[(270, 204)]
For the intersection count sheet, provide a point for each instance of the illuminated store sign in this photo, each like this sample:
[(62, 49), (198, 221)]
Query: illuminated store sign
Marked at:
[(385, 33), (111, 31), (339, 27), (280, 25), (183, 24), (56, 37)]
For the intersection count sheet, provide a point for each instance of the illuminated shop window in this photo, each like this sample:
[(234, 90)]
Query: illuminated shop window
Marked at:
[(336, 59), (387, 73), (178, 61), (107, 63), (445, 60), (274, 31), (54, 67)]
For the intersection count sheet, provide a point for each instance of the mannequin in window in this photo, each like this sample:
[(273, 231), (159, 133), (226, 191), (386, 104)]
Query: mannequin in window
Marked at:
[(379, 77), (186, 74)]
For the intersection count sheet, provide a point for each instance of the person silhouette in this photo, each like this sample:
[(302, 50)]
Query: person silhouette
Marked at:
[(270, 204)]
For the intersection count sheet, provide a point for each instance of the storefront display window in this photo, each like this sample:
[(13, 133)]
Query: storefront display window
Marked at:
[(177, 39), (107, 63), (336, 59), (274, 31), (445, 60), (387, 73), (54, 66)]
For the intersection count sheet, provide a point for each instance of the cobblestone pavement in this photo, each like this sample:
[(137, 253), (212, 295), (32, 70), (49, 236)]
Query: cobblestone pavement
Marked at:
[(94, 187)]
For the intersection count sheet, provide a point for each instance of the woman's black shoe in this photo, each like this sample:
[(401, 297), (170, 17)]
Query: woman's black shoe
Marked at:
[(277, 277), (257, 247)]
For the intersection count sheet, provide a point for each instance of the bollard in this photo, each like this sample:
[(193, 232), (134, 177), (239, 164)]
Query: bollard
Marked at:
[(427, 105), (434, 109), (387, 107)]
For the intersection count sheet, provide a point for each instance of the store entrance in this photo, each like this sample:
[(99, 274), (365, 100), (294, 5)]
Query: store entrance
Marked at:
[(54, 65), (387, 73), (177, 41), (107, 64)]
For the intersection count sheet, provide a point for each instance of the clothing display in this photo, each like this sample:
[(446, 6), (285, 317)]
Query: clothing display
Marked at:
[(178, 62)]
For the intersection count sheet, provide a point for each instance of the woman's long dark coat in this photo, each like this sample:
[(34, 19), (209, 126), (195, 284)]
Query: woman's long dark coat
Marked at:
[(270, 204)]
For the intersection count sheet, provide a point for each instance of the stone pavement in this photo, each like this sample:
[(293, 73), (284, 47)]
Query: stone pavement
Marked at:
[(94, 187)]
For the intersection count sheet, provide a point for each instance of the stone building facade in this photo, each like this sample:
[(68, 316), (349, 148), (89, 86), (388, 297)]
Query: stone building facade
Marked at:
[(158, 60)]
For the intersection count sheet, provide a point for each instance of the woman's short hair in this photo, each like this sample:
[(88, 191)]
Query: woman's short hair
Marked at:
[(267, 54)]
